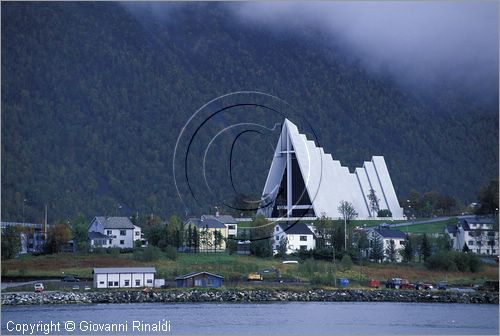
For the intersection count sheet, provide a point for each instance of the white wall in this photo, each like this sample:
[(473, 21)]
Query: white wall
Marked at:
[(128, 238), (145, 280)]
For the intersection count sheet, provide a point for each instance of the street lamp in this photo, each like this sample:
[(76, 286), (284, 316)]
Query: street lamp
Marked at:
[(24, 202)]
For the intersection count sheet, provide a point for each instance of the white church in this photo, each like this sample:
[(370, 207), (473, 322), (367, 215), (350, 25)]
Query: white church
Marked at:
[(304, 181)]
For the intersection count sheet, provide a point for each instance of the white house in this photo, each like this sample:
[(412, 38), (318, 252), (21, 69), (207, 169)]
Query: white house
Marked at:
[(477, 233), (113, 232), (229, 221), (386, 235), (124, 277), (298, 235)]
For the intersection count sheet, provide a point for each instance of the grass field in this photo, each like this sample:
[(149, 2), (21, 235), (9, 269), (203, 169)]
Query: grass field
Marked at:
[(234, 268), (435, 227)]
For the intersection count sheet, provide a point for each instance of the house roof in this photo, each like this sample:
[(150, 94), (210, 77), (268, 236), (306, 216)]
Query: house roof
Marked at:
[(115, 222), (208, 222), (115, 270), (295, 228), (192, 274), (225, 219), (96, 235), (451, 228), (390, 233), (480, 220)]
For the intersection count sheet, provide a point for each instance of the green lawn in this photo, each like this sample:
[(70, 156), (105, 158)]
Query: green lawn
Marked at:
[(436, 227)]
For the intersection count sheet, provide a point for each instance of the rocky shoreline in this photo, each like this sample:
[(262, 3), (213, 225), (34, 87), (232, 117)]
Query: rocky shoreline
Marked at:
[(248, 296)]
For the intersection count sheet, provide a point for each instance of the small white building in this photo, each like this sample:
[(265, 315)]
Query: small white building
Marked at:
[(113, 232), (475, 232), (299, 236), (124, 277)]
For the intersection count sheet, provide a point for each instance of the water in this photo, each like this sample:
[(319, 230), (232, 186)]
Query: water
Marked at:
[(311, 318)]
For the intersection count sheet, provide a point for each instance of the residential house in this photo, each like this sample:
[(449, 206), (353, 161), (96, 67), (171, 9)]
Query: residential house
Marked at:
[(386, 235), (208, 230), (113, 232), (33, 236), (298, 235), (124, 277), (477, 233), (229, 221), (199, 279)]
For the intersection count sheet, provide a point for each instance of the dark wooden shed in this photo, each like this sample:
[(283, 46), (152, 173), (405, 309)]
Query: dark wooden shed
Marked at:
[(199, 279)]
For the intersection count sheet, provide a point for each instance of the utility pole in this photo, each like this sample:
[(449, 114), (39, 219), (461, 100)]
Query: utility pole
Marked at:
[(334, 268)]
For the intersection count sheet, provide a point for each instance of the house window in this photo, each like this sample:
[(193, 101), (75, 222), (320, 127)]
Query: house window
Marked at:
[(401, 242), (110, 241), (109, 232), (149, 281), (470, 242), (303, 247), (123, 232), (303, 238), (127, 283), (230, 227), (277, 229), (290, 237), (198, 282), (277, 238), (137, 233), (101, 282), (122, 242), (116, 283), (110, 283), (493, 251), (138, 282)]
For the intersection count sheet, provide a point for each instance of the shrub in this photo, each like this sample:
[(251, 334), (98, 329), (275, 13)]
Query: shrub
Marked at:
[(113, 251), (346, 262), (384, 213), (170, 252), (454, 261), (149, 253)]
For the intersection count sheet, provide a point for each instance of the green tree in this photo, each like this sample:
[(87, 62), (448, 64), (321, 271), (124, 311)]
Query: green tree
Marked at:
[(488, 198), (218, 239), (391, 251), (465, 249), (58, 236), (377, 248), (346, 262), (374, 202), (79, 230), (282, 247), (408, 252), (11, 242), (384, 213), (425, 247)]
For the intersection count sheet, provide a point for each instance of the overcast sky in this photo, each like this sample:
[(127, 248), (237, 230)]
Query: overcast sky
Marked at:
[(417, 41)]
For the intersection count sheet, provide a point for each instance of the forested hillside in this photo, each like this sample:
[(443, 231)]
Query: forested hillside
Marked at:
[(94, 96)]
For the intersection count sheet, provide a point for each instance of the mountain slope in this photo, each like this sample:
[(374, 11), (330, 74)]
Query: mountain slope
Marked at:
[(94, 96)]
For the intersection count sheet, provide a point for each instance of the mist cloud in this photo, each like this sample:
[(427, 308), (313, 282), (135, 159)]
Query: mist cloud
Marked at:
[(418, 42)]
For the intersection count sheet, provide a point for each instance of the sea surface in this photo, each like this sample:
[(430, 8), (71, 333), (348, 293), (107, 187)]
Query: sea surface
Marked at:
[(311, 318)]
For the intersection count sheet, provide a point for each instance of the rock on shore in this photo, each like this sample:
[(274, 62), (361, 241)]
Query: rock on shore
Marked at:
[(247, 296)]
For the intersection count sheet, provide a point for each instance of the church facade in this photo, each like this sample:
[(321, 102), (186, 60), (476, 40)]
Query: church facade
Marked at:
[(304, 181)]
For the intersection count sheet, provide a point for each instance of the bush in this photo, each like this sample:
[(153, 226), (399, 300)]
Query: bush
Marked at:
[(384, 213), (149, 253), (113, 251), (346, 262), (170, 252), (454, 261)]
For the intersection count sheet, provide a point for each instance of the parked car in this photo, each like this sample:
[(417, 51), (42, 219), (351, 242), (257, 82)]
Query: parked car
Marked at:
[(87, 288), (76, 287), (71, 278), (39, 287), (393, 283), (442, 285), (374, 283)]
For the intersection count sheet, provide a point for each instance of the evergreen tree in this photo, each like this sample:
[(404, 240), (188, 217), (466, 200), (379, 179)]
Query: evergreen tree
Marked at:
[(425, 247), (11, 242), (374, 202), (391, 251), (407, 252), (377, 248)]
